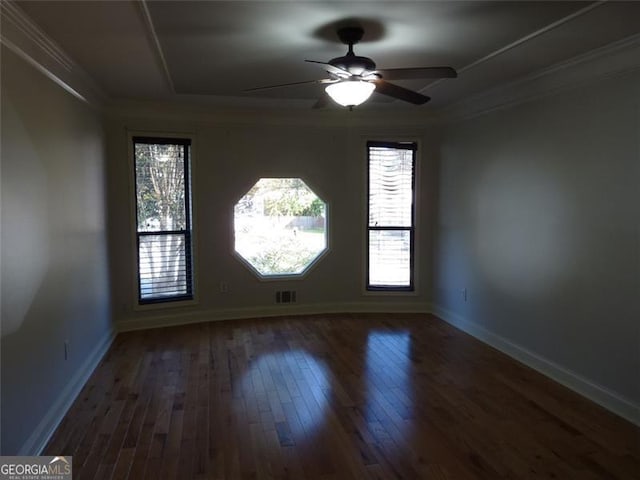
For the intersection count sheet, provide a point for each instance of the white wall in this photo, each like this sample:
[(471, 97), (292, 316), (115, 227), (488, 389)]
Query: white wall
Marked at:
[(228, 158), (538, 219), (54, 255)]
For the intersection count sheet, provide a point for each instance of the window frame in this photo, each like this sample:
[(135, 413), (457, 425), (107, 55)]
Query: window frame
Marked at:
[(413, 146), (186, 141)]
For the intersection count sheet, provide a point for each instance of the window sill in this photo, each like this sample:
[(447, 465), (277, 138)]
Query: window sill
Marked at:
[(165, 305), (390, 293)]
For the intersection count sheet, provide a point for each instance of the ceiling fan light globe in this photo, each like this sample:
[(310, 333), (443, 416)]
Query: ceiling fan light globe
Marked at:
[(350, 93)]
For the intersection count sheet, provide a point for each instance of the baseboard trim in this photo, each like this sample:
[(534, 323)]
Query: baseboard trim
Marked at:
[(585, 387), (162, 319), (41, 435), (597, 393)]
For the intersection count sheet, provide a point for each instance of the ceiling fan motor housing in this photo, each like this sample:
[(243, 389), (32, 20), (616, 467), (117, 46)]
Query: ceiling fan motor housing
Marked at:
[(354, 64)]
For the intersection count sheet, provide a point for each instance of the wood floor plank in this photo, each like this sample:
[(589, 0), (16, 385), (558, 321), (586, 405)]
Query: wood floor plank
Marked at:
[(375, 396)]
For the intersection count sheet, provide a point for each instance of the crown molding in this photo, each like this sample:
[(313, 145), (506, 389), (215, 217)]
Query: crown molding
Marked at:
[(23, 37), (522, 40), (26, 27), (612, 60), (175, 111)]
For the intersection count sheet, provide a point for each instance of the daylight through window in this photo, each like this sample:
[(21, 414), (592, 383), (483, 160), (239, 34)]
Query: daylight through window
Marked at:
[(280, 227), (163, 220), (390, 227)]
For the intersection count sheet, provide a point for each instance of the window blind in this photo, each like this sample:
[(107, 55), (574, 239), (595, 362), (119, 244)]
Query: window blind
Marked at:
[(390, 226), (163, 219)]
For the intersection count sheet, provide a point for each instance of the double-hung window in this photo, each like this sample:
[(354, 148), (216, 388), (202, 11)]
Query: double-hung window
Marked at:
[(391, 212), (163, 219)]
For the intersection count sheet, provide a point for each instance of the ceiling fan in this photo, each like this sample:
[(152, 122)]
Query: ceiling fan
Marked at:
[(352, 79)]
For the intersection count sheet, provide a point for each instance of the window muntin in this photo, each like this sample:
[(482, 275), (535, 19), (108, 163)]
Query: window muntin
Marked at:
[(280, 227), (163, 219), (390, 213)]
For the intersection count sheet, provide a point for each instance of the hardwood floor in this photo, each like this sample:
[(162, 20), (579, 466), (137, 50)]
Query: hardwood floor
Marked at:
[(333, 397)]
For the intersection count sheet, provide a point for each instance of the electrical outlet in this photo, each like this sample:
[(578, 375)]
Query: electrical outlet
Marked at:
[(66, 349), (224, 287), (464, 294)]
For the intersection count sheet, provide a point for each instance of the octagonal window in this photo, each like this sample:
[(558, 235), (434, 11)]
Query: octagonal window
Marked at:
[(280, 227)]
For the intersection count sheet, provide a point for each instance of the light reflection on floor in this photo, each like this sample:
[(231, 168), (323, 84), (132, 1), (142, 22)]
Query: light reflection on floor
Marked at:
[(298, 389), (293, 378), (388, 384)]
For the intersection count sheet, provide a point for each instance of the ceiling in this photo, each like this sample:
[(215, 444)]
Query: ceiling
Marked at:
[(210, 51)]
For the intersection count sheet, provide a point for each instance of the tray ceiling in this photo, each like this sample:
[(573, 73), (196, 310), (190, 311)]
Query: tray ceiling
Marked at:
[(210, 51)]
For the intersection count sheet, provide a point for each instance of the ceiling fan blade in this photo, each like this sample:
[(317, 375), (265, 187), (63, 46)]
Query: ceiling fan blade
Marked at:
[(332, 68), (418, 72), (322, 102), (308, 82), (400, 93)]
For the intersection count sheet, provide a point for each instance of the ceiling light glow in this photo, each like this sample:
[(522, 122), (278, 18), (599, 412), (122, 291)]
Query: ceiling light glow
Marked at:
[(350, 93)]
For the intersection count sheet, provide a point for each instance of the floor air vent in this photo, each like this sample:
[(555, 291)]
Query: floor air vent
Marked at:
[(286, 296)]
